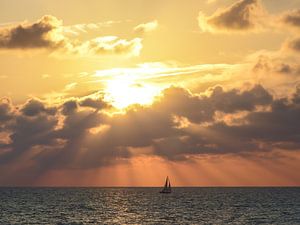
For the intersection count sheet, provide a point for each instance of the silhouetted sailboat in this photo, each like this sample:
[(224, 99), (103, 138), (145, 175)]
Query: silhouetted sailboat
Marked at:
[(167, 187)]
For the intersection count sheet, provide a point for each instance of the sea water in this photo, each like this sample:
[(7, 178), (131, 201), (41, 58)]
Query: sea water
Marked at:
[(148, 206)]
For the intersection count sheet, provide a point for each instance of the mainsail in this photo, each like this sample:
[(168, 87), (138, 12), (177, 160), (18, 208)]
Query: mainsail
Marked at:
[(167, 187)]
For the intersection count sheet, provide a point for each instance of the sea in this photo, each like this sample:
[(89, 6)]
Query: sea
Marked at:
[(205, 205)]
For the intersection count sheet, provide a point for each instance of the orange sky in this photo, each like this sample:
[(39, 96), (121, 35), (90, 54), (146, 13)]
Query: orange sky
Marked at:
[(210, 171), (124, 93)]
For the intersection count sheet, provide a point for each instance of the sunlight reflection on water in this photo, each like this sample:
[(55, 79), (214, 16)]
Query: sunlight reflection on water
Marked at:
[(147, 206)]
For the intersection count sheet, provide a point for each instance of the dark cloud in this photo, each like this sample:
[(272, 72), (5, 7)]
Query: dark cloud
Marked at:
[(292, 18), (41, 34), (5, 110), (242, 15), (269, 65), (234, 100), (26, 133), (94, 103), (265, 130), (268, 129), (69, 107), (80, 134), (198, 109), (34, 107), (285, 68), (294, 44)]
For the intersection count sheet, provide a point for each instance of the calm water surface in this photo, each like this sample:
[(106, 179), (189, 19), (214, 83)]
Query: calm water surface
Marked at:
[(146, 206)]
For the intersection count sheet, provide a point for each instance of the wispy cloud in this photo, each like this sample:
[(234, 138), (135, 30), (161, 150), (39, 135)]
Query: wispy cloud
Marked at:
[(148, 71), (76, 29)]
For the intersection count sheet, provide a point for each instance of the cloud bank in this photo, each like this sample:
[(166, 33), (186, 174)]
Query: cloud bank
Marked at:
[(80, 134)]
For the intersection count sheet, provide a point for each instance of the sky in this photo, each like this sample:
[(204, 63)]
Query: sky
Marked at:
[(127, 92)]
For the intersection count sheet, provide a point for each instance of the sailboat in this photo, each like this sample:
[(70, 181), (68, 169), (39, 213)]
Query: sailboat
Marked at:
[(167, 187)]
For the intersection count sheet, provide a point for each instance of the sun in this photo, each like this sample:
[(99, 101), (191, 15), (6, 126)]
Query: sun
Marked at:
[(122, 92)]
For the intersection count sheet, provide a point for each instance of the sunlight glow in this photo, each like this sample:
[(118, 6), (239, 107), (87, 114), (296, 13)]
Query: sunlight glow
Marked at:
[(122, 92), (138, 85)]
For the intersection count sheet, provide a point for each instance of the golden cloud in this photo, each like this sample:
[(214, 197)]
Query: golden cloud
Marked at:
[(243, 15), (49, 33), (146, 27)]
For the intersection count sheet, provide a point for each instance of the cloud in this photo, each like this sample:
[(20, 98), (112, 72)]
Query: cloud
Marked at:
[(243, 15), (69, 107), (292, 18), (111, 45), (146, 27), (278, 71), (76, 29), (6, 112), (293, 44), (164, 73), (98, 103), (49, 33), (199, 109), (276, 128), (276, 65), (42, 34), (34, 107), (258, 130)]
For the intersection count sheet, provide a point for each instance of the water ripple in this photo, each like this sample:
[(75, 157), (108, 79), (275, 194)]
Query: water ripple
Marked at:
[(77, 206)]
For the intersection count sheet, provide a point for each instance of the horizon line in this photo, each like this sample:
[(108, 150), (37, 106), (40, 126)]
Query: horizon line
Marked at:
[(74, 186)]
